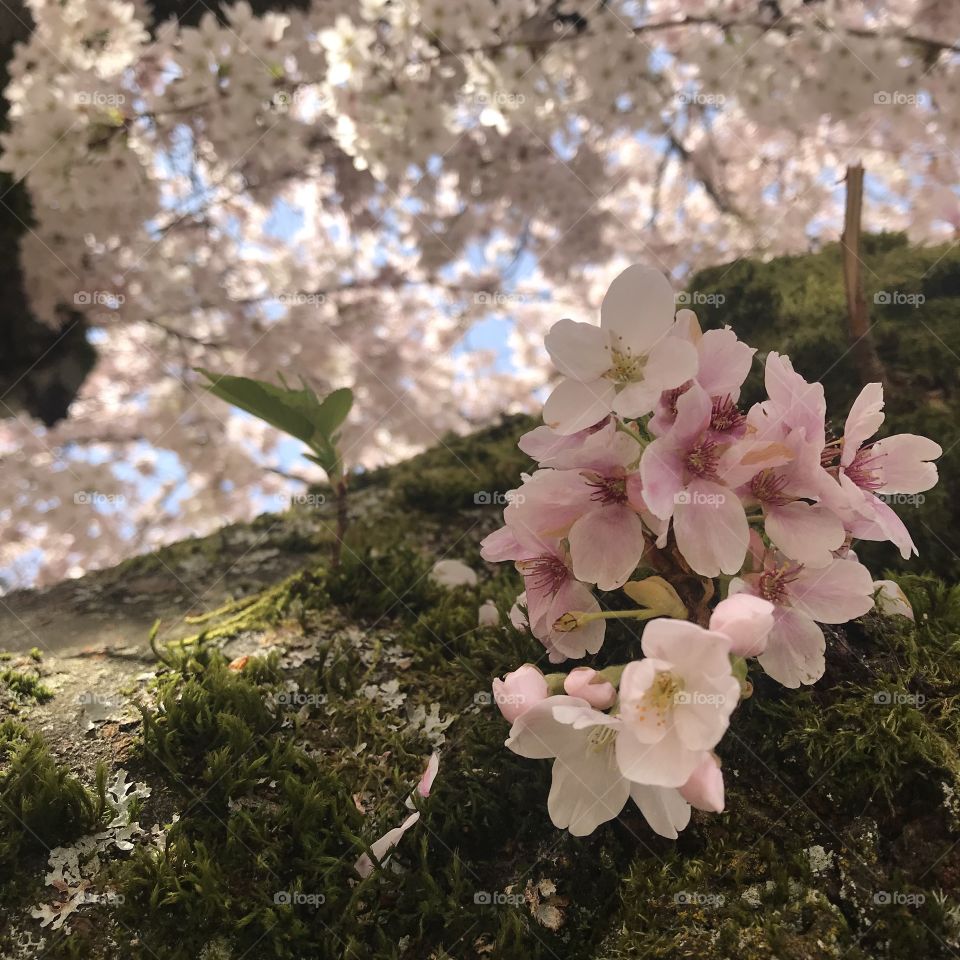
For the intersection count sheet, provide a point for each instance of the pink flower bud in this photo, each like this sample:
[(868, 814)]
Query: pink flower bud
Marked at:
[(704, 789), (518, 691), (746, 620), (586, 683)]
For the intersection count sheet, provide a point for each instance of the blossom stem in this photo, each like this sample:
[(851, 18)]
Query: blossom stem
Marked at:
[(576, 618)]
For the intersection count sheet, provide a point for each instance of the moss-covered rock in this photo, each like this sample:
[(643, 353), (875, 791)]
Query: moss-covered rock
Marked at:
[(286, 726)]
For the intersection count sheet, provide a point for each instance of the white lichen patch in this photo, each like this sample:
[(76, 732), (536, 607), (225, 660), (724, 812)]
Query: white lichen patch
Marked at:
[(388, 693), (73, 870), (820, 860), (430, 723)]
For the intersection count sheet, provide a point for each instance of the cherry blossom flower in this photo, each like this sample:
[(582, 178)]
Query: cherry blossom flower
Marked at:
[(599, 512), (623, 365), (804, 597), (551, 590), (723, 363), (900, 464), (587, 787), (692, 478), (675, 703)]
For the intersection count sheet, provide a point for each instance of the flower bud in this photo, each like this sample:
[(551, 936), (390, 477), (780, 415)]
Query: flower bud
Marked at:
[(518, 691), (586, 683), (891, 600), (704, 789), (746, 620)]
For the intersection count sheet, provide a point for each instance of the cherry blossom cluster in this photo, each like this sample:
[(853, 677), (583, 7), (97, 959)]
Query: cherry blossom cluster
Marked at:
[(654, 481), (345, 190)]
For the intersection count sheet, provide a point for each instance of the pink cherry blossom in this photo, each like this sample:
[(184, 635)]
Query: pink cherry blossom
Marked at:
[(691, 477), (551, 590), (803, 597), (623, 365), (723, 363), (900, 464), (675, 703), (600, 512)]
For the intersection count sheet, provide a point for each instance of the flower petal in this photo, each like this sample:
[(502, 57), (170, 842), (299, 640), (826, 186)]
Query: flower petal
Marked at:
[(863, 421), (664, 809), (711, 529), (606, 545), (904, 467), (805, 532), (795, 649), (638, 309), (580, 351), (574, 406)]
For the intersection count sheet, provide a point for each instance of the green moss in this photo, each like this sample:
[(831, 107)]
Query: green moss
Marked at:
[(42, 804), (462, 472), (24, 686)]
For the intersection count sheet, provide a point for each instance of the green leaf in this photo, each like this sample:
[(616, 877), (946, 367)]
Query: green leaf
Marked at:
[(297, 412), (333, 411), (280, 408)]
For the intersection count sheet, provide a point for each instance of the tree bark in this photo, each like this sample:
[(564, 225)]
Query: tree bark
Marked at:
[(864, 349)]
